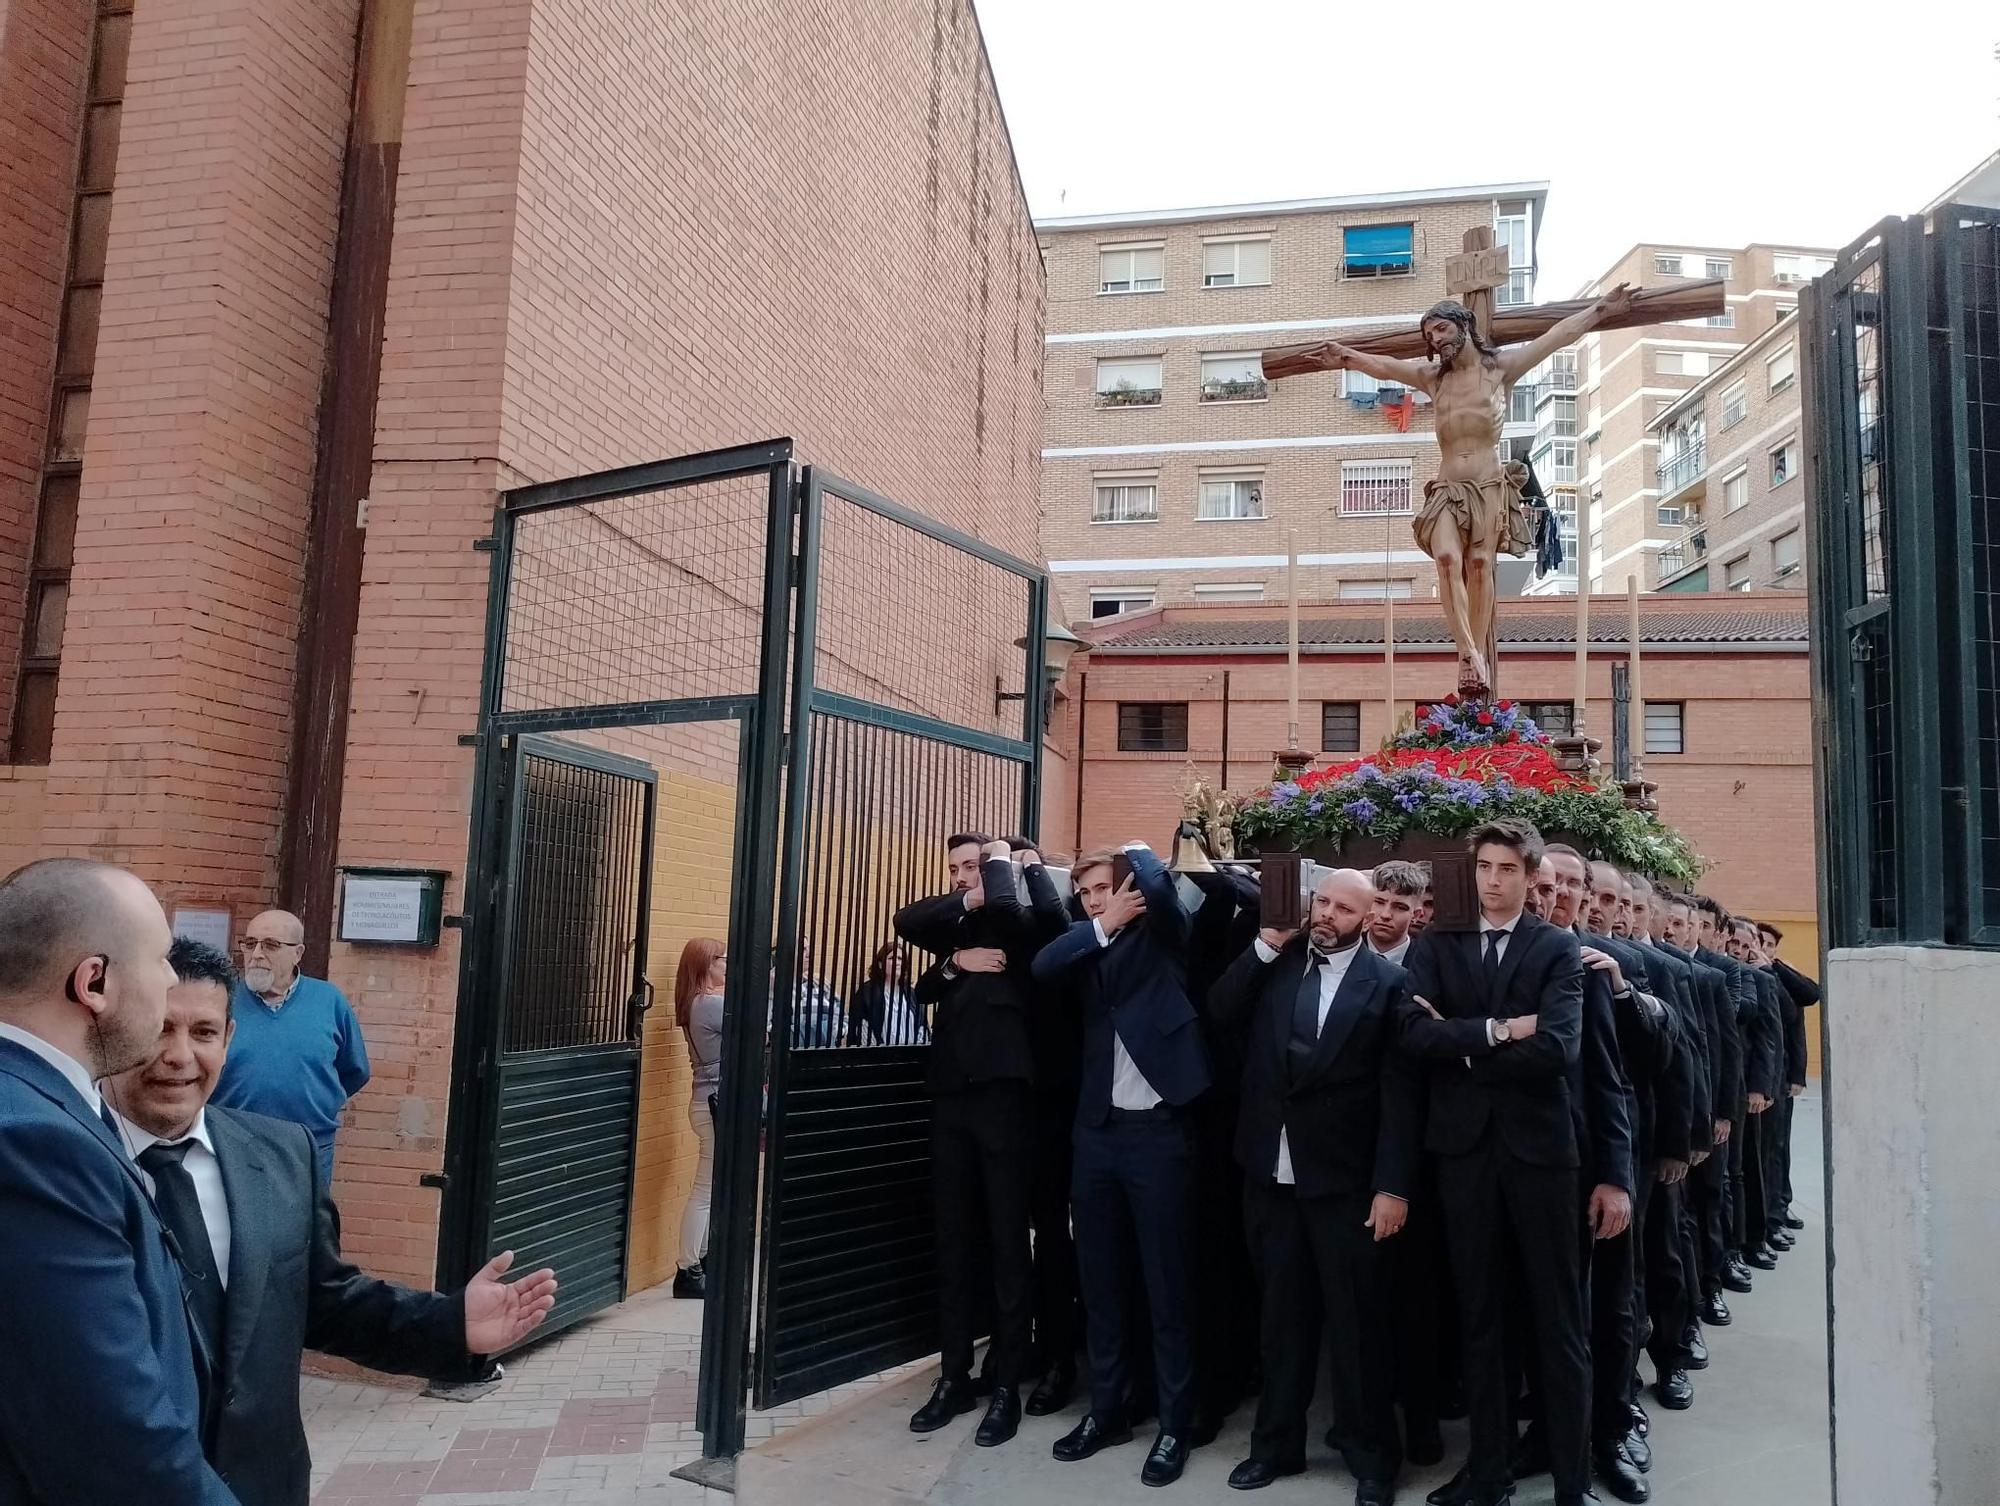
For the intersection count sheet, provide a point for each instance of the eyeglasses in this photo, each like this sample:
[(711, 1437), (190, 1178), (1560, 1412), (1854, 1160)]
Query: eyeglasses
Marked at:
[(258, 944)]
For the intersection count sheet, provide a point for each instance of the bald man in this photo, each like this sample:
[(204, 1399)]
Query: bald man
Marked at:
[(1328, 1138), (297, 1054), (103, 1398)]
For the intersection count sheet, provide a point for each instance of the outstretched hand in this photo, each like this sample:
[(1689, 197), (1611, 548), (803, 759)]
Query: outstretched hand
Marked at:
[(500, 1314), (1615, 304)]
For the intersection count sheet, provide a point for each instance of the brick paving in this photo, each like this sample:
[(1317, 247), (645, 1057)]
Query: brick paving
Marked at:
[(600, 1415)]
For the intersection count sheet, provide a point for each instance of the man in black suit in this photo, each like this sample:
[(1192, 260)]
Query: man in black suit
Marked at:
[(1144, 1063), (1327, 1140), (255, 1223), (101, 1394), (1708, 1182), (1763, 1228), (1712, 933), (1497, 1015), (1802, 994), (981, 1080)]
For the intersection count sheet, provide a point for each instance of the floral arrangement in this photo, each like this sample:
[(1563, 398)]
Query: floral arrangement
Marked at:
[(1462, 763)]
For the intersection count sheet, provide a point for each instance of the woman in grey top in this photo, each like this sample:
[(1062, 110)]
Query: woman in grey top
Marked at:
[(698, 1011)]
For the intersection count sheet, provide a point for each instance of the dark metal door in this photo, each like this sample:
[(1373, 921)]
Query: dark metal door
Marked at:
[(572, 996)]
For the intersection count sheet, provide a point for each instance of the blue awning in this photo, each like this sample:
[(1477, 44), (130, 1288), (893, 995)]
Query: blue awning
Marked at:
[(1380, 245)]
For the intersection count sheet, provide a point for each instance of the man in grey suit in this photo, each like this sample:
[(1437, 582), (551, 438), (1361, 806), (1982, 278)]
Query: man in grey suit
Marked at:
[(259, 1238)]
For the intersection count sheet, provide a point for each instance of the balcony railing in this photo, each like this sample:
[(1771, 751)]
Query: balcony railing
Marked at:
[(1683, 470), (1691, 548), (1559, 379)]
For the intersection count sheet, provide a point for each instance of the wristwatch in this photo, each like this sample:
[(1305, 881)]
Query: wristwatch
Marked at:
[(1501, 1034)]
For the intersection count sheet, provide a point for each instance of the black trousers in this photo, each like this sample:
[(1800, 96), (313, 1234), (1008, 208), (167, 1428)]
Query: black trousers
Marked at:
[(1057, 1312), (1614, 1333), (982, 1173), (1426, 1325), (1491, 1200), (1753, 1221), (1785, 1154), (1707, 1201), (1319, 1269), (1129, 1191), (1672, 1283), (1224, 1316)]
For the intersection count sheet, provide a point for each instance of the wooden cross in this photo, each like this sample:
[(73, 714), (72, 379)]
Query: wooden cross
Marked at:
[(1473, 274)]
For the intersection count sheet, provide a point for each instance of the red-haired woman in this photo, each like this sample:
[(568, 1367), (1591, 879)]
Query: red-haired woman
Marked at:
[(698, 1011)]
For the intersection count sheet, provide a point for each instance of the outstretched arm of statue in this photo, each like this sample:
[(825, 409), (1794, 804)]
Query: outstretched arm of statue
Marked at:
[(1333, 356), (1522, 359)]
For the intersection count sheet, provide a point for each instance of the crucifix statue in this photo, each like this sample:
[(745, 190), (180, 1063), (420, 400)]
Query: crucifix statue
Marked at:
[(1473, 511)]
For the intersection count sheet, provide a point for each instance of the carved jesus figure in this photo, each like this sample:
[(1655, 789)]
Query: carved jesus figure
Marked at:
[(1473, 511)]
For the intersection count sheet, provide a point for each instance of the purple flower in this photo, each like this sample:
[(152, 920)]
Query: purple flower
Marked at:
[(1409, 800), (1284, 794), (1363, 810), (1368, 774), (1314, 806)]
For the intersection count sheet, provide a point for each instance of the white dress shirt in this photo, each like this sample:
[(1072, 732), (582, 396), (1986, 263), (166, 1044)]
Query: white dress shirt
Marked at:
[(1396, 953), (1332, 969), (203, 1169), (1129, 1088), (73, 1071), (1506, 929)]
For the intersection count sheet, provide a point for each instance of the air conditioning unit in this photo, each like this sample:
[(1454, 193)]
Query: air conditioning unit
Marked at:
[(1789, 279)]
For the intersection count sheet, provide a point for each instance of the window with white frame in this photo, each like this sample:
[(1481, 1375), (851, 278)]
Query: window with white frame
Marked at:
[(1671, 362), (1790, 269), (1784, 462), (1122, 498), (1736, 490), (1781, 369), (1735, 404), (1379, 250), (1716, 266), (1236, 263), (1132, 269), (1785, 553), (1358, 383), (1513, 227), (1378, 590), (1736, 573), (1229, 591), (1234, 377), (1557, 467), (1667, 264), (1233, 497), (1131, 381), (1663, 727), (1724, 320), (1110, 601), (1375, 488)]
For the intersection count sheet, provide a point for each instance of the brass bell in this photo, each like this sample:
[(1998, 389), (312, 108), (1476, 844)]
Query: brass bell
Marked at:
[(1190, 852)]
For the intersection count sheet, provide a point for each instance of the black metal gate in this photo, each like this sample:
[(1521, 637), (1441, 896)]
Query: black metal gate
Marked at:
[(868, 681)]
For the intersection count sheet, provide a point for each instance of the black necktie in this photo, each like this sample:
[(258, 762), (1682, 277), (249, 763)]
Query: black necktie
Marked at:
[(1492, 959), (110, 1121), (180, 1211), (1305, 1008)]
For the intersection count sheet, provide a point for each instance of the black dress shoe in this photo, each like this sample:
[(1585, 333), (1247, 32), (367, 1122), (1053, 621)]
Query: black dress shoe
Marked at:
[(1642, 1423), (1620, 1476), (1423, 1444), (1760, 1260), (1675, 1391), (690, 1283), (1792, 1221), (1457, 1491), (1002, 1420), (1374, 1492), (1696, 1348), (1052, 1391), (1639, 1451), (1164, 1464), (1715, 1312), (1780, 1241), (1736, 1278), (1255, 1474), (1090, 1435), (951, 1397)]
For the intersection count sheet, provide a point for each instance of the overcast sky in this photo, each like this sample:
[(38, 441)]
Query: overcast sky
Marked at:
[(1715, 123)]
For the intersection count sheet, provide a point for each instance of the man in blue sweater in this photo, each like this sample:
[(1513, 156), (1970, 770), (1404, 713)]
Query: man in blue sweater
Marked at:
[(298, 1053)]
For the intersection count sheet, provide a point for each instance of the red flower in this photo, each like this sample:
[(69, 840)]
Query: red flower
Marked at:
[(1485, 718), (1506, 705), (1452, 699)]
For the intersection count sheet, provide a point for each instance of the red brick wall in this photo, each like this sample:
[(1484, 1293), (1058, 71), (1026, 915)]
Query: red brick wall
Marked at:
[(172, 722), (598, 261), (44, 59)]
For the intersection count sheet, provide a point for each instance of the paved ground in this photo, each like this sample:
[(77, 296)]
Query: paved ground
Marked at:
[(602, 1414)]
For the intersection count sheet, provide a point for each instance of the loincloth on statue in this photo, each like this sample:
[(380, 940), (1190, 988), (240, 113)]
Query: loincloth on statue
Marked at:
[(1490, 513)]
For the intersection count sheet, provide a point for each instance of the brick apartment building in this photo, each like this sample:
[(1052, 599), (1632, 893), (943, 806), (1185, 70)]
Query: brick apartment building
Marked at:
[(1172, 472), (1626, 379), (1727, 717), (296, 288), (1730, 501)]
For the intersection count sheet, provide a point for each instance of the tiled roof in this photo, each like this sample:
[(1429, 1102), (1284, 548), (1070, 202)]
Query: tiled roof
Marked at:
[(1708, 627)]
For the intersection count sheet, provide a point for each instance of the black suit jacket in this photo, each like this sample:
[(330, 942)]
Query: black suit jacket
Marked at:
[(99, 1402), (1135, 989), (1602, 1101), (1736, 1006), (290, 1289), (1764, 1065), (1654, 1065), (980, 1030), (1801, 993), (1687, 1124), (1352, 1117), (1519, 1090)]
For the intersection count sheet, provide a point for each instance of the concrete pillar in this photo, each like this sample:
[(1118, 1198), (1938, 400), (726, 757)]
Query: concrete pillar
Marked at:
[(1913, 1206)]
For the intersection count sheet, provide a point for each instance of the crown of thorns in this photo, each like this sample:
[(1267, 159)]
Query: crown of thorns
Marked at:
[(1458, 314)]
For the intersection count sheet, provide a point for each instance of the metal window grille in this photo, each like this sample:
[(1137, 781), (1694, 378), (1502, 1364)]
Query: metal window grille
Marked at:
[(1340, 726), (1375, 488), (1152, 726)]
